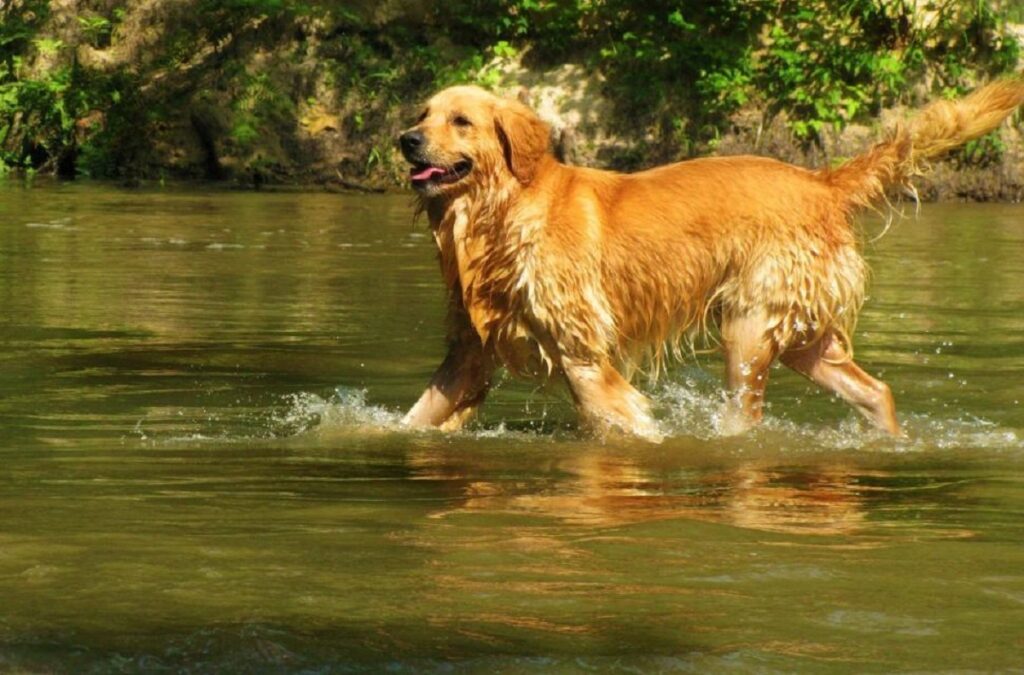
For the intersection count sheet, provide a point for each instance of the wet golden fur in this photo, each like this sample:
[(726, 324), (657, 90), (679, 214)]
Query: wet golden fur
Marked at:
[(585, 274)]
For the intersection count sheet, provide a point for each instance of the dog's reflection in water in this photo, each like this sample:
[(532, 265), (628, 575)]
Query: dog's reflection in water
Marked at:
[(596, 489)]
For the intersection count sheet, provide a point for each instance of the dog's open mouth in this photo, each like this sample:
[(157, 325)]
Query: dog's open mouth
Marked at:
[(426, 174)]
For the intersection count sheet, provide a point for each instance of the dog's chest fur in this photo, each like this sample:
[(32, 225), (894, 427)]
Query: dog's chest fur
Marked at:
[(487, 257)]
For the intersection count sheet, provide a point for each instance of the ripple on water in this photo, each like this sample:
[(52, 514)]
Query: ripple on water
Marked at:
[(879, 622)]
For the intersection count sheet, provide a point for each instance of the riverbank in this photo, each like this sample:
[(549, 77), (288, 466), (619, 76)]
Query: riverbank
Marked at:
[(272, 92)]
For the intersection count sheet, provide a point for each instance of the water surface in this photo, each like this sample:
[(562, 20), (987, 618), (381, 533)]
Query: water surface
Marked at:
[(202, 469)]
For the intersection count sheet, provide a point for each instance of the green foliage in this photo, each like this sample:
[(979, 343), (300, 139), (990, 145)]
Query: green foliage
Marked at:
[(1014, 10), (675, 68), (681, 67), (96, 29), (981, 152), (678, 66), (825, 68), (37, 114), (114, 129), (822, 62), (65, 118), (258, 105)]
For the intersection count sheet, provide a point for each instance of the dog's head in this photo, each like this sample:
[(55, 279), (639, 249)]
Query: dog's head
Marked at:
[(465, 135)]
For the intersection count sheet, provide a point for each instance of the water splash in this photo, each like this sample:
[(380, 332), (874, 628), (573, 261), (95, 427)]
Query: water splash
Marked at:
[(686, 409), (693, 407), (346, 410), (966, 431)]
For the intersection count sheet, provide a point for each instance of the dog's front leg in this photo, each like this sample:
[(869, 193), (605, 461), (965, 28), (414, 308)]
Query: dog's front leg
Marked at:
[(456, 390), (607, 401), (459, 385)]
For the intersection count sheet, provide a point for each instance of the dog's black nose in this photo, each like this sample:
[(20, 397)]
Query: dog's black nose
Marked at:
[(411, 141)]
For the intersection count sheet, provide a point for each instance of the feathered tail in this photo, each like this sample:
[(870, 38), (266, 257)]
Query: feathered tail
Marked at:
[(937, 128)]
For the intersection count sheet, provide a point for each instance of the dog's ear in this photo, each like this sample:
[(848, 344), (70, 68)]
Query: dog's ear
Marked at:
[(524, 138)]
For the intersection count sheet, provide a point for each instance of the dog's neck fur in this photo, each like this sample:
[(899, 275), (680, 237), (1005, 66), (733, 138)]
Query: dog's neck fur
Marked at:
[(480, 252)]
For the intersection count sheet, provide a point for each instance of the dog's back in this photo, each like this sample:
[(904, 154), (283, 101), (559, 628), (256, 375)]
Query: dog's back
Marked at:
[(727, 235), (690, 241)]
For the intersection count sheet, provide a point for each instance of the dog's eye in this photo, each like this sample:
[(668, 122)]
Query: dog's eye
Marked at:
[(423, 116), (461, 121)]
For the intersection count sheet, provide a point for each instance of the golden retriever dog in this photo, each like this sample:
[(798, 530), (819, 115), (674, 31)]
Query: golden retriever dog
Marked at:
[(585, 275)]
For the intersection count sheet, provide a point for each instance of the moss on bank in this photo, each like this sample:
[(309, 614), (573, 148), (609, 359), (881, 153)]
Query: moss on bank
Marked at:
[(294, 91)]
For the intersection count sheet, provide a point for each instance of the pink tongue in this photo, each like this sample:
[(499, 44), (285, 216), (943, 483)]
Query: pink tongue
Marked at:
[(428, 173)]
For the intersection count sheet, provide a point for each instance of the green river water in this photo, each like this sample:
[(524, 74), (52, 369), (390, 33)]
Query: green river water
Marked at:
[(201, 468)]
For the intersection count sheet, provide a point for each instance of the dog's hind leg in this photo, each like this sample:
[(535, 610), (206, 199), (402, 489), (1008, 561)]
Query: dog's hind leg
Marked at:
[(606, 400), (827, 363), (749, 353)]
